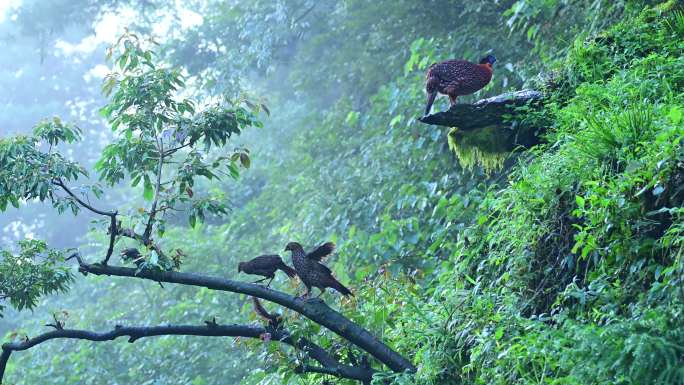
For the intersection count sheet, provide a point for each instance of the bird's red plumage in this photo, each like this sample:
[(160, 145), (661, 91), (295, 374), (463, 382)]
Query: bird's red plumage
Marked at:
[(456, 78)]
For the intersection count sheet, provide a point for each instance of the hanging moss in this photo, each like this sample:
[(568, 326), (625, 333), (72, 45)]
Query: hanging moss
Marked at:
[(489, 146), (486, 147), (488, 130)]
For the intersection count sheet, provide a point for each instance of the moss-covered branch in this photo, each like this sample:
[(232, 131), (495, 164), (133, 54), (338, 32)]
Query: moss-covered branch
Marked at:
[(493, 111)]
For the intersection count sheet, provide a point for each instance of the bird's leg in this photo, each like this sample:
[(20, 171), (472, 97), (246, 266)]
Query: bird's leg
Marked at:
[(269, 281), (261, 280), (322, 291)]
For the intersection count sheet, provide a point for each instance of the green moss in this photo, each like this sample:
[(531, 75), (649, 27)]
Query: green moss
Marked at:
[(487, 147)]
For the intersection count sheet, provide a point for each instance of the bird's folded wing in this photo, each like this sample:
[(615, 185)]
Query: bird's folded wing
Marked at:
[(323, 268), (321, 251)]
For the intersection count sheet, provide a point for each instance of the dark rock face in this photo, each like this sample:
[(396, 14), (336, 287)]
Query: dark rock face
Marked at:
[(493, 111), (485, 132)]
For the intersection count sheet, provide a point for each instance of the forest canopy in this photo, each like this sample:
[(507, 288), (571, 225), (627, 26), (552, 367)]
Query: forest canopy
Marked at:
[(150, 149)]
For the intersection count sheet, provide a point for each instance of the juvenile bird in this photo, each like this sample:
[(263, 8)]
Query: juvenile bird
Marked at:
[(132, 254), (274, 320), (457, 77), (311, 271), (266, 266)]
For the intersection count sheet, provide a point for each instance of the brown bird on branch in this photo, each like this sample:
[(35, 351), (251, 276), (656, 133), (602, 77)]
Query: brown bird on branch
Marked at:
[(266, 266), (274, 320), (311, 271), (132, 254), (457, 77)]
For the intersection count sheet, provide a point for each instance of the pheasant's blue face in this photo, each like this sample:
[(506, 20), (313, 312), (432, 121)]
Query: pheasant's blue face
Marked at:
[(489, 59)]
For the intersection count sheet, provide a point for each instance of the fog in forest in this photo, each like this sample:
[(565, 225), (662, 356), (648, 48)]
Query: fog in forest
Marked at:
[(158, 138)]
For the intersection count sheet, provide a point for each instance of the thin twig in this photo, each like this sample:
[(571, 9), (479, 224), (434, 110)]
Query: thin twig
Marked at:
[(175, 149), (60, 183), (112, 238), (303, 15), (153, 209)]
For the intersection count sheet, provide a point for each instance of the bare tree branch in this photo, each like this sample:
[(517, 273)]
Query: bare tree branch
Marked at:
[(172, 151), (60, 183), (4, 357), (129, 233), (316, 369), (483, 113), (112, 238), (303, 15), (314, 309), (111, 214), (329, 364), (157, 188)]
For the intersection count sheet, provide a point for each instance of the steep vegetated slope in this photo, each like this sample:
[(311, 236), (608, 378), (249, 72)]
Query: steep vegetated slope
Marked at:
[(573, 273)]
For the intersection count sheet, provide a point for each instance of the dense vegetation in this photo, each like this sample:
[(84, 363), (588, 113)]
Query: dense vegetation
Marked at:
[(561, 265)]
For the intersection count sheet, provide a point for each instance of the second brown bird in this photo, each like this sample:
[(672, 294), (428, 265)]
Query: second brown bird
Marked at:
[(311, 271), (266, 266)]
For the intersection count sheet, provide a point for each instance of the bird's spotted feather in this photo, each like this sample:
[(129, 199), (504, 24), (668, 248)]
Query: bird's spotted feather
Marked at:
[(312, 272), (321, 251)]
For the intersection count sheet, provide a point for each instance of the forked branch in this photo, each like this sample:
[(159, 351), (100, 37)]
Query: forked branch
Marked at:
[(314, 309), (111, 214)]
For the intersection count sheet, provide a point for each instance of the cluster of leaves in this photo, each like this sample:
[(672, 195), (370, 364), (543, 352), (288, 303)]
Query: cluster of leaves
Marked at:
[(32, 170), (160, 134), (160, 140), (33, 272)]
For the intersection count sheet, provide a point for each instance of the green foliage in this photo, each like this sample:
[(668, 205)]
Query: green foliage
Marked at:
[(33, 272), (157, 139), (28, 171), (570, 272), (155, 126)]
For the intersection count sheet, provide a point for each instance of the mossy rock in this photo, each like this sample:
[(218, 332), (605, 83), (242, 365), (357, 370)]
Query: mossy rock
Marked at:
[(497, 110), (484, 133), (490, 146)]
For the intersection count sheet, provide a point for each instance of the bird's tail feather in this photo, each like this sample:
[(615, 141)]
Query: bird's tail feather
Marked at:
[(272, 319), (288, 270), (340, 287), (260, 310), (430, 100)]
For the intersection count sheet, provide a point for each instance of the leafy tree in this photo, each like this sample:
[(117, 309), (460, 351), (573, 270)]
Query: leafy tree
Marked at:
[(164, 141)]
